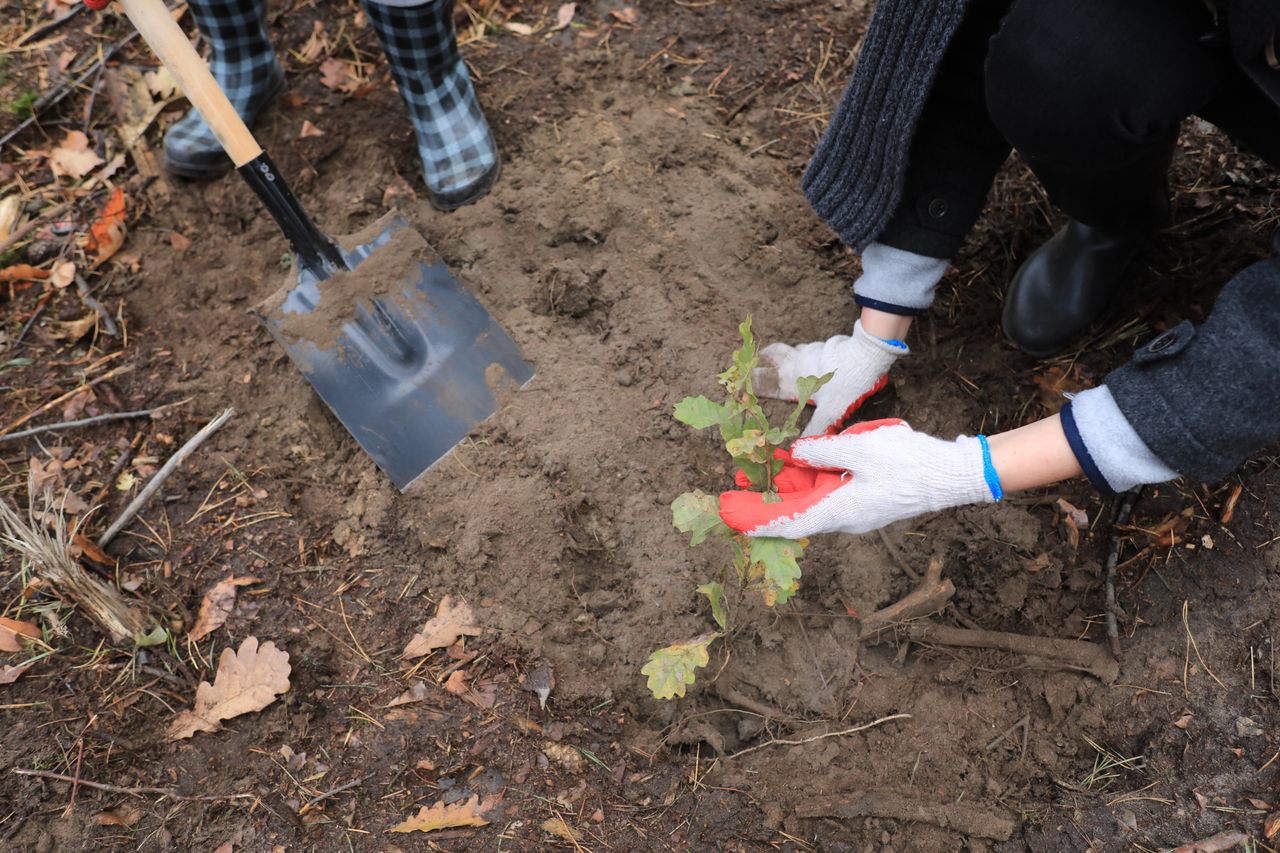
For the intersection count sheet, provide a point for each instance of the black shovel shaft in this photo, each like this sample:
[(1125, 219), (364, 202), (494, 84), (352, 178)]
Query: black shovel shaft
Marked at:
[(316, 252)]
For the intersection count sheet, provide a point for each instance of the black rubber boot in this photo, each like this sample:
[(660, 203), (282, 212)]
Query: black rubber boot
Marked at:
[(1065, 285)]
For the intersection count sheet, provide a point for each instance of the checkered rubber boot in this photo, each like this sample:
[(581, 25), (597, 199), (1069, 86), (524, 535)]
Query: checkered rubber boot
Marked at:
[(244, 64), (459, 158)]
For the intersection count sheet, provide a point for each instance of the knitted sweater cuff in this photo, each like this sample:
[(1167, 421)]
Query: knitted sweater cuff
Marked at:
[(897, 281), (1111, 453)]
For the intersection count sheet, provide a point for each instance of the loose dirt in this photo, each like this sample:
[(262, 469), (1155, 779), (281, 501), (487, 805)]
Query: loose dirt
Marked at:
[(638, 220)]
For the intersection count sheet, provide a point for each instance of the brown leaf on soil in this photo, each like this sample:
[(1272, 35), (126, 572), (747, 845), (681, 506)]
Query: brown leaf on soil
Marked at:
[(1229, 507), (73, 330), (1054, 382), (309, 130), (339, 75), (23, 272), (180, 242), (317, 45), (12, 629), (83, 546), (397, 191), (457, 683), (518, 28), (627, 14), (248, 680), (417, 693), (556, 826), (62, 275), (1219, 843), (450, 622), (564, 15), (125, 816), (1271, 826), (217, 605), (441, 816), (107, 233), (10, 674), (74, 158)]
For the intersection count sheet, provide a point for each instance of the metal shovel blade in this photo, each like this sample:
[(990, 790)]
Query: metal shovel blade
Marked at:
[(412, 370)]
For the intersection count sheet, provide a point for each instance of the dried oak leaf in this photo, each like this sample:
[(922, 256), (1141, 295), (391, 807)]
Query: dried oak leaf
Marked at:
[(442, 816), (12, 629), (1271, 826), (248, 680), (339, 75), (557, 826), (10, 674), (125, 816), (23, 272), (564, 15), (74, 158), (417, 693), (442, 630), (107, 233), (217, 605)]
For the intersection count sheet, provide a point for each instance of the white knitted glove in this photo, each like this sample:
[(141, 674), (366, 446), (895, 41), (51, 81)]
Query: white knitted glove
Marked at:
[(870, 475), (859, 361)]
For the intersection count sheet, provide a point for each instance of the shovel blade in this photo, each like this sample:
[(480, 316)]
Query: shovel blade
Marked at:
[(413, 371)]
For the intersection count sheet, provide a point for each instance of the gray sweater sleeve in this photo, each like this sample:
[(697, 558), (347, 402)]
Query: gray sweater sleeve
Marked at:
[(1202, 399)]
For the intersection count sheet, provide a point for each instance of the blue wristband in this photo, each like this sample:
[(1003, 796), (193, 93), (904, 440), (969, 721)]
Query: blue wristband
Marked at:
[(989, 470), (894, 342)]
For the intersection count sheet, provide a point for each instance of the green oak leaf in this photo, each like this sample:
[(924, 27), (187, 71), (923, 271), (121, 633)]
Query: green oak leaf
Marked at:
[(714, 592), (697, 513), (699, 412), (671, 669), (806, 387), (780, 573), (750, 445), (157, 636)]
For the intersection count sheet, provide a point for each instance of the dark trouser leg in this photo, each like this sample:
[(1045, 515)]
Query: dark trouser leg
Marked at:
[(1091, 93), (956, 149)]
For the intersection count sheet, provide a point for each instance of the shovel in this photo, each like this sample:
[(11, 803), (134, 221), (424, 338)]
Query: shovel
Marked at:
[(408, 360)]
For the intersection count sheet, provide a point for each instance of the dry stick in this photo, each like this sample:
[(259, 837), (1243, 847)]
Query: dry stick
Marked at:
[(108, 324), (1080, 654), (153, 485), (137, 792), (17, 236), (96, 419), (928, 598), (1186, 623), (799, 741), (125, 456), (110, 374), (1124, 508), (962, 817), (330, 793)]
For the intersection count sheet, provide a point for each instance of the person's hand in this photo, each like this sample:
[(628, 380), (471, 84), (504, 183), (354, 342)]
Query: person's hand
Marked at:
[(860, 363), (870, 475)]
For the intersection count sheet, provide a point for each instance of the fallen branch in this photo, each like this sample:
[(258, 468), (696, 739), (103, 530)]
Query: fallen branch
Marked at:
[(930, 597), (153, 485), (799, 741), (961, 817), (171, 793), (83, 422), (1123, 510), (331, 793), (1076, 654), (108, 323)]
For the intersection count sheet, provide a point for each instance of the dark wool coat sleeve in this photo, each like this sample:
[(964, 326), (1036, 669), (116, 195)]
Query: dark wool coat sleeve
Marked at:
[(1205, 398), (855, 179)]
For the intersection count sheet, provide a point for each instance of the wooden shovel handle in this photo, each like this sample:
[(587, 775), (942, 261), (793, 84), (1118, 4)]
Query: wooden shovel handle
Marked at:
[(159, 30)]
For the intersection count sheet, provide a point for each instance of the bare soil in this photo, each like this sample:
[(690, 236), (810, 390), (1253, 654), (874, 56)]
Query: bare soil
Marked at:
[(649, 202)]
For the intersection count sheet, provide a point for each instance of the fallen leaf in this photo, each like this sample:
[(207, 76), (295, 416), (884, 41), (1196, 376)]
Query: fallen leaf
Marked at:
[(10, 210), (397, 191), (72, 504), (1229, 507), (564, 15), (450, 622), (23, 272), (556, 826), (1220, 843), (518, 28), (12, 629), (74, 158), (1262, 805), (125, 816), (73, 330), (125, 481), (1079, 516), (417, 693), (83, 546), (441, 816), (161, 83), (1271, 826), (309, 129), (317, 45), (107, 233), (339, 75), (10, 674), (566, 756), (217, 605), (1038, 563), (1185, 720), (63, 274), (248, 680), (626, 15), (179, 241), (456, 683)]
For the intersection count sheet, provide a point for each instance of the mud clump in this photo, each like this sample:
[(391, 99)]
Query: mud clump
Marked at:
[(386, 275)]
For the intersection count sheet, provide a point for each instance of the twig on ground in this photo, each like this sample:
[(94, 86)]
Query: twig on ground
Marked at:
[(1023, 724), (171, 793), (153, 485), (1124, 508), (799, 741), (108, 324), (1191, 641), (110, 374), (1223, 841), (18, 235), (83, 422), (331, 793), (896, 555), (1078, 654), (125, 456), (928, 598), (737, 697), (963, 818)]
